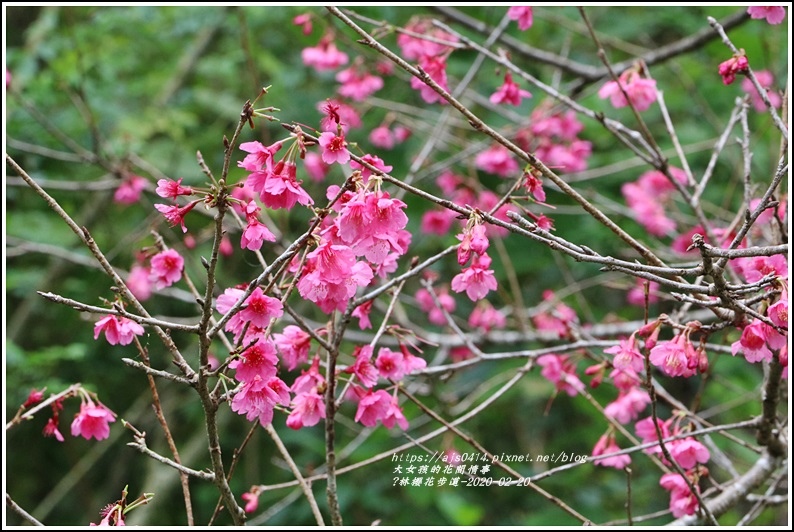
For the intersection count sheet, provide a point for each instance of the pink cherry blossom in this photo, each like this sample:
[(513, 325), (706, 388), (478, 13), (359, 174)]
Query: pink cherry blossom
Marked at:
[(373, 407), (522, 15), (676, 357), (315, 166), (293, 344), (472, 240), (176, 214), (558, 370), (257, 398), (259, 359), (334, 148), (437, 222), (362, 313), (682, 500), (752, 343), (251, 501), (436, 68), (304, 20), (477, 280), (628, 405), (390, 364), (255, 232), (363, 368), (51, 429), (166, 268), (766, 79), (260, 157), (138, 282), (93, 421), (358, 84), (168, 188), (309, 378), (606, 445), (688, 452), (728, 69), (640, 91), (497, 160), (394, 416), (372, 160), (324, 56), (636, 294), (414, 48), (772, 14), (279, 188), (118, 329), (509, 92), (627, 355), (130, 189), (485, 317), (382, 137), (428, 305), (308, 409), (259, 309), (338, 114)]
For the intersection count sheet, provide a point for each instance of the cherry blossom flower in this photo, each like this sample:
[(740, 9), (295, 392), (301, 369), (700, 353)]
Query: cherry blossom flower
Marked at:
[(324, 56), (118, 329), (166, 268), (34, 397), (130, 189), (308, 379), (258, 360), (436, 68), (676, 357), (363, 368), (168, 188), (477, 280), (51, 429), (251, 501), (728, 69), (414, 48), (315, 166), (394, 416), (509, 92), (260, 157), (606, 445), (93, 421), (688, 452), (627, 355), (558, 370), (682, 500), (255, 232), (338, 114), (293, 344), (259, 309), (334, 148), (176, 214), (486, 317), (640, 91), (362, 313), (308, 409), (382, 137), (772, 14), (257, 398), (304, 20), (766, 79), (522, 15), (628, 405), (358, 84), (428, 305), (373, 407), (390, 364), (472, 240), (372, 160), (497, 160), (139, 283), (437, 222), (279, 188), (752, 343)]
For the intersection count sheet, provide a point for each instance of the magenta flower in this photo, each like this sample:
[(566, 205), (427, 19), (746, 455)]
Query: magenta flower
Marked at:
[(436, 68), (138, 282), (311, 378), (766, 79), (305, 22), (362, 313), (382, 137), (334, 148), (472, 240), (293, 344), (373, 407), (118, 330), (166, 268), (522, 15), (772, 14), (688, 452), (509, 92), (752, 344), (93, 421), (390, 364), (324, 56), (558, 370), (259, 359), (168, 188), (338, 114), (358, 84), (627, 355), (477, 280), (51, 429), (728, 69), (251, 501), (394, 416), (428, 305), (606, 445), (486, 317), (255, 232), (675, 357), (363, 368), (260, 309), (130, 189), (628, 405), (307, 410), (373, 160), (176, 214), (497, 160), (682, 500), (415, 48), (641, 91)]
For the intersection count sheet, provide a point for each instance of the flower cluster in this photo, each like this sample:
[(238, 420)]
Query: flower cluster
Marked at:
[(430, 51), (641, 92)]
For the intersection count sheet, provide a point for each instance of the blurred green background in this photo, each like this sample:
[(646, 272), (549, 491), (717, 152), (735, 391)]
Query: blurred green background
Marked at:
[(152, 85)]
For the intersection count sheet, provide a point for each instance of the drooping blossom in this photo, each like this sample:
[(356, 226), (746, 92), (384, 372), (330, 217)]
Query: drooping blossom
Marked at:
[(129, 191), (627, 354), (93, 421), (606, 445), (334, 148), (34, 397), (309, 378), (293, 344), (258, 360), (139, 283), (641, 91), (338, 114), (436, 69), (682, 500), (394, 415), (752, 343), (362, 313), (382, 137), (118, 329), (472, 240), (308, 408), (676, 357), (772, 14), (628, 406), (485, 317), (166, 268), (251, 499), (413, 46), (51, 429), (304, 20), (373, 407), (476, 280), (255, 232), (688, 452), (729, 68), (766, 79), (363, 368), (522, 15), (257, 398), (509, 92)]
